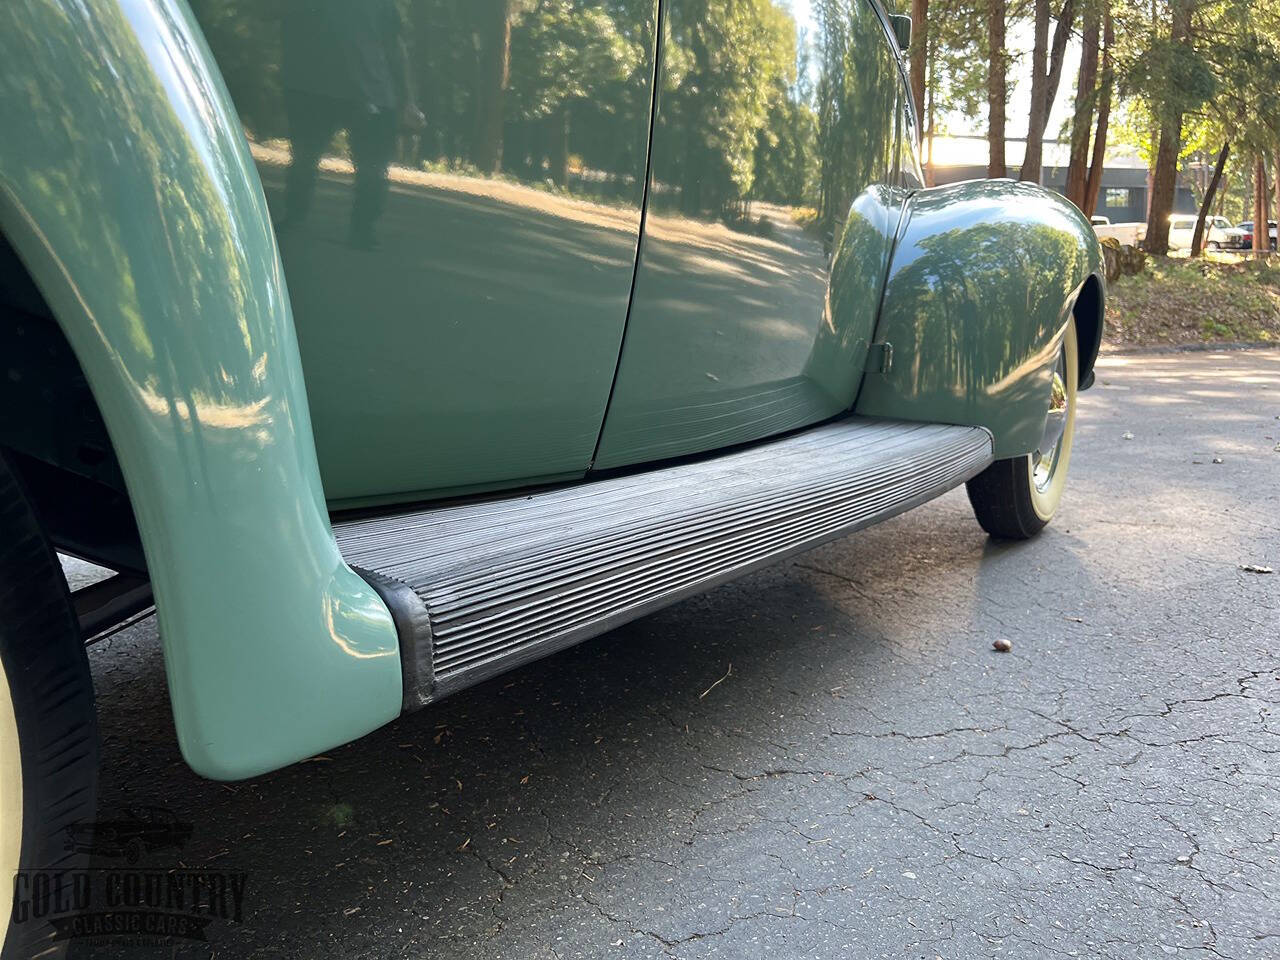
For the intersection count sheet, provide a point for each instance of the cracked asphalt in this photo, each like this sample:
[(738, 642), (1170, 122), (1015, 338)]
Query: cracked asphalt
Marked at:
[(827, 758)]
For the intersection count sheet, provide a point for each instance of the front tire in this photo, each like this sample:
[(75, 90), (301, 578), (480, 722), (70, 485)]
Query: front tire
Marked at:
[(48, 726), (1014, 499)]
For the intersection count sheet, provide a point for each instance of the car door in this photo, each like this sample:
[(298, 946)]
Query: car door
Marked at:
[(456, 187), (1180, 232), (771, 209)]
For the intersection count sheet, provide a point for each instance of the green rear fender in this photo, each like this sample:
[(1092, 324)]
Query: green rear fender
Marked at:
[(127, 189), (983, 281)]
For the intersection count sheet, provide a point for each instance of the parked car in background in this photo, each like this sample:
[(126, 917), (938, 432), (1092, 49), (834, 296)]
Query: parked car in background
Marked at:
[(435, 456), (1247, 228), (1182, 228), (1236, 239), (1130, 233)]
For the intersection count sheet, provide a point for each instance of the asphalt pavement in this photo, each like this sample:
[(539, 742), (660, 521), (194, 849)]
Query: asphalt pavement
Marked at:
[(828, 758)]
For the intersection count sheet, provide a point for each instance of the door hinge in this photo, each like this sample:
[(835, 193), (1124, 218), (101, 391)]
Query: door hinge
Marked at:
[(880, 357)]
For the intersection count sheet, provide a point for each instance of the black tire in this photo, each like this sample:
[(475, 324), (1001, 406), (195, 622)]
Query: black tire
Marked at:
[(45, 672), (1001, 501), (1005, 497)]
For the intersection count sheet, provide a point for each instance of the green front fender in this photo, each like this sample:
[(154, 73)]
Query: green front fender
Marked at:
[(128, 191), (983, 282)]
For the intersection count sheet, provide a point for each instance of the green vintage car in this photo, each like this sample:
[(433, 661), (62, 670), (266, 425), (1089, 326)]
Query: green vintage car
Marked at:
[(386, 345)]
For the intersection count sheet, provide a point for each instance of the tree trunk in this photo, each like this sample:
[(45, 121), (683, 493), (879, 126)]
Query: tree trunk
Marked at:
[(1164, 182), (919, 57), (495, 62), (1036, 120), (1164, 178), (1082, 121), (1197, 238), (997, 92), (559, 134), (1098, 161), (929, 175), (1276, 173), (1261, 233), (1044, 85)]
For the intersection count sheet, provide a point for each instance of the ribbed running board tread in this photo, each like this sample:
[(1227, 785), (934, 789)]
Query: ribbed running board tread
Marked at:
[(505, 581)]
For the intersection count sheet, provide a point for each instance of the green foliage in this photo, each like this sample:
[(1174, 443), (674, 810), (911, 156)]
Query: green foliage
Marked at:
[(578, 88), (1224, 80), (786, 156), (563, 51), (1169, 78), (857, 93), (735, 61), (1191, 301), (957, 80)]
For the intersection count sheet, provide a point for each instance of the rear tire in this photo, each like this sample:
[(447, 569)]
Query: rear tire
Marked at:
[(1015, 499), (48, 726)]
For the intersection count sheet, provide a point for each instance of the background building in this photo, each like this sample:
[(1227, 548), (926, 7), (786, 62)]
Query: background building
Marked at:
[(1122, 197)]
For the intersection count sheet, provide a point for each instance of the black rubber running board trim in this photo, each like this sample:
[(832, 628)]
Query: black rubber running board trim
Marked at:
[(413, 631)]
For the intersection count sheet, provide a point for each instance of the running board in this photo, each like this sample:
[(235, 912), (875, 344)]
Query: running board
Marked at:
[(479, 588)]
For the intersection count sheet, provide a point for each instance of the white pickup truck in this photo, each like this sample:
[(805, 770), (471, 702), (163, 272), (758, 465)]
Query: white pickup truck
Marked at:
[(1130, 233)]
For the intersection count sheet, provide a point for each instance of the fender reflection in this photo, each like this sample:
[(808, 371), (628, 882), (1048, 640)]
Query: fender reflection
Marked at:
[(981, 287)]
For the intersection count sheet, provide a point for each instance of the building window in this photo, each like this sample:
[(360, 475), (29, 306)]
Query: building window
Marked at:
[(1117, 197)]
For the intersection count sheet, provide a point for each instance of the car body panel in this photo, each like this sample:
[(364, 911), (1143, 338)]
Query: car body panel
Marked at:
[(982, 284), (127, 189), (130, 191), (746, 324), (476, 345)]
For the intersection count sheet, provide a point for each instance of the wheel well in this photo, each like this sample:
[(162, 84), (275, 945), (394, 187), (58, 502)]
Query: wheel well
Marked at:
[(52, 432), (1088, 313)]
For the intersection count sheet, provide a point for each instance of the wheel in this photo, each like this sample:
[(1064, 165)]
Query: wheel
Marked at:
[(1214, 246), (1015, 498), (48, 727)]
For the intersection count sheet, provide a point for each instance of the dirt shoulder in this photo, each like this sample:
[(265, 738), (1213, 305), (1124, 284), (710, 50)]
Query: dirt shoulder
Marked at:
[(1176, 302)]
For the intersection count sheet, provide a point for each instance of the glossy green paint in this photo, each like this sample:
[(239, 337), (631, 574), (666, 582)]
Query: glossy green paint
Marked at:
[(742, 330), (459, 325), (474, 349), (982, 284), (130, 195)]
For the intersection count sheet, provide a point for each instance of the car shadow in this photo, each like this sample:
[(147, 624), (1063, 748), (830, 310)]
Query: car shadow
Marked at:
[(421, 827)]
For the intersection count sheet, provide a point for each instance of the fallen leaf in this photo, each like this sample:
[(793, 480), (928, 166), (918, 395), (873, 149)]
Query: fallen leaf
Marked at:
[(717, 683), (1255, 568)]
